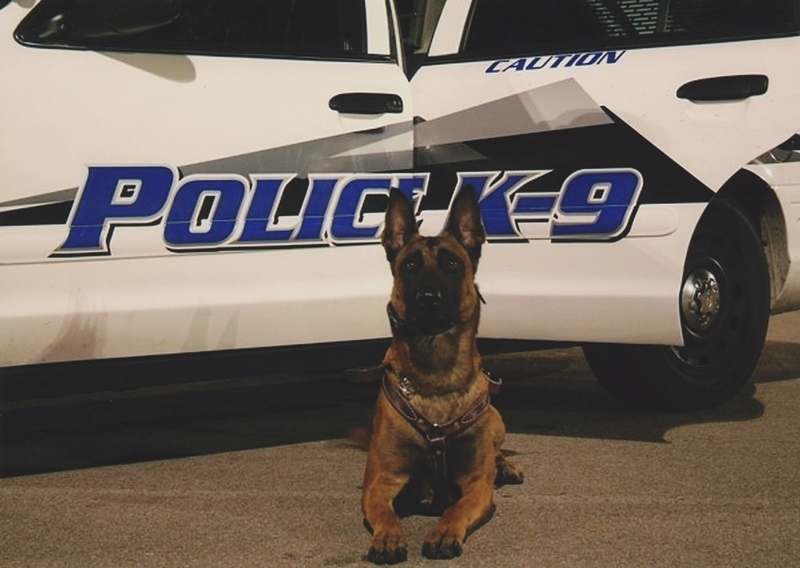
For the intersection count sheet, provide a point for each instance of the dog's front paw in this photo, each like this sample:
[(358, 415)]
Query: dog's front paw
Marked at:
[(442, 546), (388, 549)]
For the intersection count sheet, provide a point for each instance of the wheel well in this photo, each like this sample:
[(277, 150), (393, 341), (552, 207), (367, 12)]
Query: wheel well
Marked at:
[(758, 201)]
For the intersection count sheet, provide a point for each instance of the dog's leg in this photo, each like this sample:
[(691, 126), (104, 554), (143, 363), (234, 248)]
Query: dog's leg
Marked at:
[(388, 544), (389, 468), (508, 473), (473, 509)]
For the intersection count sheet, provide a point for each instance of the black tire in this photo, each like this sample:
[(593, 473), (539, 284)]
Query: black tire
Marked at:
[(724, 324)]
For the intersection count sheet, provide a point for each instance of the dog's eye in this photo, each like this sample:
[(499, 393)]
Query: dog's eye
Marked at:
[(453, 264), (410, 265)]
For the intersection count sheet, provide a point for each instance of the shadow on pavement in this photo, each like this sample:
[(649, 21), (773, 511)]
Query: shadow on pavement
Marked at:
[(87, 415), (562, 398), (780, 361)]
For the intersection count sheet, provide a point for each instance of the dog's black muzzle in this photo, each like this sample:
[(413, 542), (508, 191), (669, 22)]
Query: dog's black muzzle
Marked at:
[(415, 326)]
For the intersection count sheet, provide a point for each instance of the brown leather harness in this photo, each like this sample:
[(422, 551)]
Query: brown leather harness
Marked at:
[(436, 435)]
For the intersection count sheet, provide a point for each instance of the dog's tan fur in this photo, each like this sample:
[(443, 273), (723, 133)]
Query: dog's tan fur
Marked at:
[(443, 379)]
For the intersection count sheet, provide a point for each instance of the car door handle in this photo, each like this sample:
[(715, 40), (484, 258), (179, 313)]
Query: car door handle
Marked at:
[(366, 103), (728, 88)]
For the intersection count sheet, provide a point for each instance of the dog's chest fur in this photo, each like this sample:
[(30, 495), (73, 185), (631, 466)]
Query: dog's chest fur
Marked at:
[(442, 399)]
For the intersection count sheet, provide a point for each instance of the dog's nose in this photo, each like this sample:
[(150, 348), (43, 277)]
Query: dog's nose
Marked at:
[(428, 297)]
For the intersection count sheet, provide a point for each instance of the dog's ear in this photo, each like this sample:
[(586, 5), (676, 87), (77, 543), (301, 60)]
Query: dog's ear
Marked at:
[(465, 224), (400, 224)]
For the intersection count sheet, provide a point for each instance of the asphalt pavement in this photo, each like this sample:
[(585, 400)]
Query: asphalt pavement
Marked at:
[(241, 467)]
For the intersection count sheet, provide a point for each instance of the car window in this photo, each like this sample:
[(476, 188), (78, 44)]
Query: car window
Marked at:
[(418, 19), (503, 26), (328, 28)]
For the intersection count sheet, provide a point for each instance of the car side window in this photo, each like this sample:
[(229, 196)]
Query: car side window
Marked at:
[(293, 28), (502, 26)]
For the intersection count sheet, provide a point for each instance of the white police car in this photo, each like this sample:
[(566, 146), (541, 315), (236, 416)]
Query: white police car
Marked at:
[(190, 175)]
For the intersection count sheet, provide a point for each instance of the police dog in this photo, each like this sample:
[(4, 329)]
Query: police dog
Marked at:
[(435, 440)]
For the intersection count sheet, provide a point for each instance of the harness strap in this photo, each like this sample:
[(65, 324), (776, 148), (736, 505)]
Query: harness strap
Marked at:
[(435, 434)]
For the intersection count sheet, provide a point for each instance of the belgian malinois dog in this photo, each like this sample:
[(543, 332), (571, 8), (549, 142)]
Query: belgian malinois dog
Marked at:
[(435, 440)]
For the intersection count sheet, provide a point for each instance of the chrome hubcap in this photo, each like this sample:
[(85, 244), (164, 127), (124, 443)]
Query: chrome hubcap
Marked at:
[(700, 300)]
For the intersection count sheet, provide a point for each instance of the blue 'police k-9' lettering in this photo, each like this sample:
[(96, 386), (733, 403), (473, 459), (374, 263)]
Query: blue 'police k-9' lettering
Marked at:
[(205, 212)]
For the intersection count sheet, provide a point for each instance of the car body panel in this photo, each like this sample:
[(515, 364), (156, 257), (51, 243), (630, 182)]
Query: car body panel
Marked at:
[(157, 203)]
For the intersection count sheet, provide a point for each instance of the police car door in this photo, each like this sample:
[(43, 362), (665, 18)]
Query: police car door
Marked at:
[(159, 189), (596, 131)]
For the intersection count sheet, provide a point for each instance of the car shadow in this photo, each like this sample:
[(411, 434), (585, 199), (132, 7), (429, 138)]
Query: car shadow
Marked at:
[(98, 414), (560, 397)]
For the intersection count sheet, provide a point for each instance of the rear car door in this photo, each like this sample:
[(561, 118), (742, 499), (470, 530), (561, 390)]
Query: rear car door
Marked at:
[(158, 161), (596, 132)]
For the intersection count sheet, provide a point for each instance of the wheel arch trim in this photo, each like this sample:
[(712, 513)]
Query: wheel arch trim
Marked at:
[(773, 206)]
